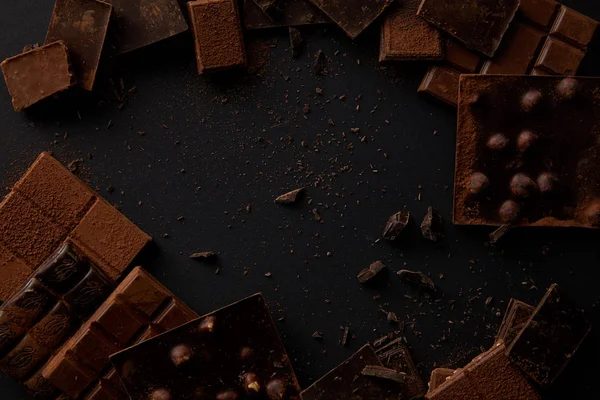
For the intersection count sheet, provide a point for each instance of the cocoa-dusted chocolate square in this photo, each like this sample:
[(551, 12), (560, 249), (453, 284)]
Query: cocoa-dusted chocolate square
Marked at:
[(353, 16), (234, 352), (527, 151)]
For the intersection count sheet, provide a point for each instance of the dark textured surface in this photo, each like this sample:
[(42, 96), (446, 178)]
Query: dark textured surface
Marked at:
[(241, 155)]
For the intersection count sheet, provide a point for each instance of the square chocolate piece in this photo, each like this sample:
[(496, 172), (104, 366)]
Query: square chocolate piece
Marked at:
[(527, 151), (353, 16), (82, 26), (287, 13), (230, 353), (479, 24), (38, 74)]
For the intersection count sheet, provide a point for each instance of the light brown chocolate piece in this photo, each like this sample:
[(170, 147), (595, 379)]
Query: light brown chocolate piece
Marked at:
[(37, 74)]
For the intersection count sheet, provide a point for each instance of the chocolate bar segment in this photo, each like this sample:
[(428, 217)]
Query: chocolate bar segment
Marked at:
[(396, 355), (527, 151), (217, 35), (38, 74), (82, 26), (353, 16), (550, 338), (231, 353), (479, 24), (288, 13)]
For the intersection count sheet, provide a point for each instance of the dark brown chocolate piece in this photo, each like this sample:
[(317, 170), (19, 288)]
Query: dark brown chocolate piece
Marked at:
[(418, 279), (225, 49), (289, 13), (545, 38), (38, 74), (290, 197), (82, 26), (397, 356), (204, 255), (564, 122), (407, 37), (378, 371), (395, 225), (353, 16), (232, 352), (139, 23), (367, 274), (439, 376), (266, 5), (516, 317), (432, 226), (296, 42), (136, 311), (550, 338), (346, 381)]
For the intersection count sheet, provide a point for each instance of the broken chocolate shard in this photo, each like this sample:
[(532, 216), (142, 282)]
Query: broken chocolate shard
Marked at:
[(395, 225), (320, 63), (392, 318), (317, 335), (380, 372), (204, 255), (418, 279), (499, 233), (353, 16), (396, 355), (344, 340), (296, 42), (432, 226), (516, 317), (290, 197), (369, 273)]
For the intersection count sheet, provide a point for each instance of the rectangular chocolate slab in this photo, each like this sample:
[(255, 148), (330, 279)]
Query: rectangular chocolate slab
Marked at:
[(550, 338), (139, 23), (516, 316), (288, 13), (38, 74), (230, 353), (406, 37), (353, 16), (479, 24), (526, 151), (82, 26), (545, 38), (138, 309), (217, 35), (396, 355)]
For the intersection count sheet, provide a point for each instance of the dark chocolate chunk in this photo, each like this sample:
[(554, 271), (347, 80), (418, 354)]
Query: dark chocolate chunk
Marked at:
[(395, 225), (516, 317), (432, 226), (296, 42), (499, 233), (377, 371), (320, 64), (369, 273), (288, 13), (396, 355), (203, 255), (418, 279), (290, 197)]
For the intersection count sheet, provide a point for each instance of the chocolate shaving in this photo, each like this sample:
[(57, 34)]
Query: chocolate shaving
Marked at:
[(389, 374), (204, 255), (296, 42), (290, 197), (392, 318), (344, 340), (419, 279), (320, 63), (395, 225), (499, 233), (369, 273), (432, 226), (317, 335)]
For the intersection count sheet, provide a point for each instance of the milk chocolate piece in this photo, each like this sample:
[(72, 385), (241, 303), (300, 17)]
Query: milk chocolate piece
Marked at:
[(217, 34), (550, 338), (132, 313), (516, 317), (82, 26), (439, 376), (228, 354), (563, 114), (289, 13), (353, 16), (346, 381), (407, 37), (397, 356), (545, 38), (38, 74), (479, 24)]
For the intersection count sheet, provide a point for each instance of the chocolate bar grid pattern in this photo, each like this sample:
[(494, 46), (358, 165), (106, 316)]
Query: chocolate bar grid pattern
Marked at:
[(140, 308), (546, 38), (40, 318)]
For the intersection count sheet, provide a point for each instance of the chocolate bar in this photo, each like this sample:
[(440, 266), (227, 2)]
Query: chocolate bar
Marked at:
[(439, 376), (396, 355), (82, 26), (225, 49), (139, 23), (139, 308), (479, 24), (347, 381), (527, 151), (550, 338), (38, 74), (516, 317), (545, 38), (231, 353), (289, 13), (353, 16), (406, 37)]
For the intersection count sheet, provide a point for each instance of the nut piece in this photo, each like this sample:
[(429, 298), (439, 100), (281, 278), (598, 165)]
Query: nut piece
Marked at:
[(276, 389), (181, 354), (592, 215), (251, 384), (160, 394), (208, 324), (478, 182), (228, 395), (546, 182), (395, 225), (526, 140), (497, 142), (567, 88), (522, 186), (509, 211), (531, 100)]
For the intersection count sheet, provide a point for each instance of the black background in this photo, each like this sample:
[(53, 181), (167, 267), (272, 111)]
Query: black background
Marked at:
[(206, 159)]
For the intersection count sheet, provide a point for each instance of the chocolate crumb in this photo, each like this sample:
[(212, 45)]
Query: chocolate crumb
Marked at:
[(432, 226), (317, 335), (369, 273), (290, 197), (395, 225), (204, 255), (296, 41), (419, 279)]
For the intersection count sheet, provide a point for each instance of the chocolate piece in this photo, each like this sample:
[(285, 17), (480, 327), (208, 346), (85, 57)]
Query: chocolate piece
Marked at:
[(565, 147), (480, 24), (395, 225), (129, 315), (213, 369), (406, 37), (265, 5), (439, 376), (224, 50), (320, 65), (82, 26), (432, 226), (204, 255), (367, 274), (377, 371), (289, 13), (296, 42), (516, 317), (37, 74), (537, 43), (353, 16), (290, 197), (418, 279), (139, 23), (347, 382), (397, 356), (550, 338), (499, 233)]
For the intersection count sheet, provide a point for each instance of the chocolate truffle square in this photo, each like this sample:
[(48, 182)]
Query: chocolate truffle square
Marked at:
[(38, 74), (479, 24), (82, 26), (234, 352), (527, 151), (353, 16)]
